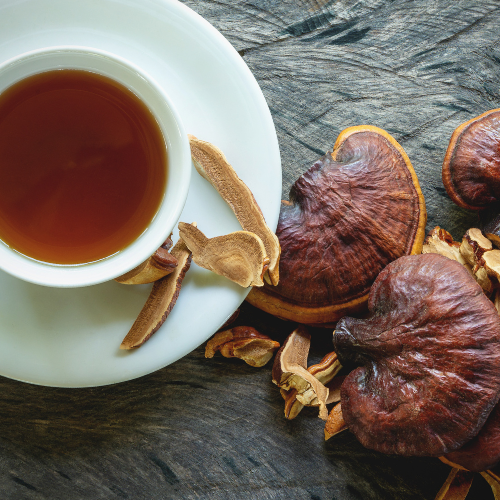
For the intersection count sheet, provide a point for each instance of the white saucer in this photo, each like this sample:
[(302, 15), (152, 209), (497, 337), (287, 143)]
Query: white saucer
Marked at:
[(71, 337)]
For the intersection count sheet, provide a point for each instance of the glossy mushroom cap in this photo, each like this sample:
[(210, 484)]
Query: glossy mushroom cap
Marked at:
[(430, 356), (354, 211), (483, 451), (471, 168)]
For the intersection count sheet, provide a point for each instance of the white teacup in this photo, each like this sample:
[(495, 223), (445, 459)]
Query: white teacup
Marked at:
[(178, 154)]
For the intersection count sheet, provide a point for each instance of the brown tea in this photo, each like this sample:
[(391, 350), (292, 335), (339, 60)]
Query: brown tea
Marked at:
[(83, 167)]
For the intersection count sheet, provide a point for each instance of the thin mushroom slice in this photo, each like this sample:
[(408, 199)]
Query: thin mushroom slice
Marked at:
[(325, 372), (160, 302), (456, 486), (155, 267), (471, 168), (239, 256), (211, 164), (243, 342), (428, 359), (493, 481), (354, 211), (290, 372), (335, 422)]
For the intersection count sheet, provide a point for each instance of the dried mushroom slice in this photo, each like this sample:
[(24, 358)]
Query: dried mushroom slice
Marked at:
[(441, 241), (239, 256), (243, 342), (211, 164), (430, 356), (161, 300), (157, 266), (483, 451), (290, 371), (471, 168), (354, 211)]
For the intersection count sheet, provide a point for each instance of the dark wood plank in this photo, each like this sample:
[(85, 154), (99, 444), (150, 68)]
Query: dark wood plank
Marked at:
[(214, 429)]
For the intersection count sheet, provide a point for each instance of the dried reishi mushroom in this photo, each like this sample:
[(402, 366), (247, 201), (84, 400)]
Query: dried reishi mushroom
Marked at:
[(243, 342), (474, 245), (430, 356), (158, 265), (211, 164), (483, 451), (325, 372), (335, 422), (290, 371), (456, 486), (441, 242), (160, 302), (471, 168), (239, 256), (354, 211)]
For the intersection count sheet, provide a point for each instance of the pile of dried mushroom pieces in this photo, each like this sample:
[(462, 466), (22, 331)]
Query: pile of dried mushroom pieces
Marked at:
[(421, 355)]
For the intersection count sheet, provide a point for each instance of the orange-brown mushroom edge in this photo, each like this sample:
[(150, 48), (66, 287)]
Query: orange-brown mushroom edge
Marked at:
[(471, 167), (352, 213)]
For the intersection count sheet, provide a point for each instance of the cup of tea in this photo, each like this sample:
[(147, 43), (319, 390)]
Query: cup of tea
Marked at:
[(95, 166)]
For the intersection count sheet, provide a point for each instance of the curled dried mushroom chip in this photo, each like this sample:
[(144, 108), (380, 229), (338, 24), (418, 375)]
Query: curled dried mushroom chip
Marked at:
[(430, 359), (354, 211)]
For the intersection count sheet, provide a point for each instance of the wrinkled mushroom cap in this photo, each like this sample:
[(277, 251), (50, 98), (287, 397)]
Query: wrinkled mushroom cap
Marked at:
[(430, 351), (471, 168), (354, 211), (483, 451)]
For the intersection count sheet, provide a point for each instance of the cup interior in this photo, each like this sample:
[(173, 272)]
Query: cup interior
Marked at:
[(178, 154)]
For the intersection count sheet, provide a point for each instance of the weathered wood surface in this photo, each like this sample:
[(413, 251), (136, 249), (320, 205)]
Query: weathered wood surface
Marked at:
[(214, 429)]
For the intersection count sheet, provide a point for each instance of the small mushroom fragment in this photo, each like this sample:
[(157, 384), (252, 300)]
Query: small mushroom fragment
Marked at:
[(289, 371), (456, 486), (242, 342), (239, 256), (160, 302), (211, 164), (441, 242), (158, 265), (430, 359), (471, 168), (354, 211), (474, 245), (325, 372), (335, 422)]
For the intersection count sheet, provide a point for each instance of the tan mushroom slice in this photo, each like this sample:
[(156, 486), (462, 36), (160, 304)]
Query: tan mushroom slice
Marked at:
[(474, 245), (160, 302), (335, 422), (211, 164), (290, 372), (325, 372), (441, 242), (494, 481), (243, 342), (157, 266), (353, 212), (456, 486), (239, 256)]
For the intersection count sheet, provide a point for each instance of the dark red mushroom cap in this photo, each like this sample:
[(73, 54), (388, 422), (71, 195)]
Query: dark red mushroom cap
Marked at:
[(483, 451), (471, 168), (430, 351), (354, 211)]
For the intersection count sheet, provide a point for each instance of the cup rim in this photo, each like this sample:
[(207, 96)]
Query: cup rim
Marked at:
[(175, 195)]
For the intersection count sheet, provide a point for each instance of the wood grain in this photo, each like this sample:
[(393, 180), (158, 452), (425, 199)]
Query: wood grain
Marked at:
[(214, 429)]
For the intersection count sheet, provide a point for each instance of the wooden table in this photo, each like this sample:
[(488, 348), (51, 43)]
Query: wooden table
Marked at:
[(214, 429)]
